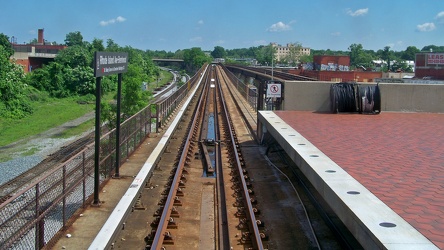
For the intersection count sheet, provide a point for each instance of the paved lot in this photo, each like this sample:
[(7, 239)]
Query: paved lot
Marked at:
[(399, 157)]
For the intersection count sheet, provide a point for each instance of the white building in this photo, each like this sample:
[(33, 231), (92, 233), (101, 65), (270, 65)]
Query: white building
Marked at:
[(284, 51)]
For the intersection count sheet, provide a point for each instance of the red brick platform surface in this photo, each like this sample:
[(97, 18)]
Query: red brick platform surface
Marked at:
[(399, 157)]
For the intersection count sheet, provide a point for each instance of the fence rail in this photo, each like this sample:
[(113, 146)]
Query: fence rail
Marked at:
[(166, 106), (249, 92)]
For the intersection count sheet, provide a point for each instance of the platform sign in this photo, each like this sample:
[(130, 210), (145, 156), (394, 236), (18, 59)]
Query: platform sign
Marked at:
[(107, 63), (274, 90)]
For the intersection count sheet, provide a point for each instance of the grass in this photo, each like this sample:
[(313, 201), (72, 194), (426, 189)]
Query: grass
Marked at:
[(77, 130), (51, 113), (47, 115), (165, 77), (30, 151)]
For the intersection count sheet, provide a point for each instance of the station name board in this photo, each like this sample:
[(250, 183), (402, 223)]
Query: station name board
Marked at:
[(435, 58), (108, 63)]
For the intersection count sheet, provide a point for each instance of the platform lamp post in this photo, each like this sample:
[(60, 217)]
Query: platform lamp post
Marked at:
[(106, 63), (272, 60)]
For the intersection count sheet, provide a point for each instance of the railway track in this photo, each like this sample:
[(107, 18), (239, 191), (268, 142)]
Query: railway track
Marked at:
[(277, 75), (214, 188), (15, 185), (210, 134)]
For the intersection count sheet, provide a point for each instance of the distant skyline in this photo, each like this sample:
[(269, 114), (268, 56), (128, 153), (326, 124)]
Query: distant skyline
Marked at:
[(172, 25)]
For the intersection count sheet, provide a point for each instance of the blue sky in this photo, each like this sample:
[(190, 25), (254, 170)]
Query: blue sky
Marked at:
[(181, 24)]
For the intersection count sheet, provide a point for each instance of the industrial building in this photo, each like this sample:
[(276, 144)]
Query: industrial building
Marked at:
[(34, 56), (429, 66)]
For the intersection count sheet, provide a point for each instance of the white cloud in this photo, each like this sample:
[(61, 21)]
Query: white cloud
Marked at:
[(196, 39), (200, 22), (440, 17), (425, 27), (359, 12), (219, 42), (279, 27), (118, 19), (336, 33)]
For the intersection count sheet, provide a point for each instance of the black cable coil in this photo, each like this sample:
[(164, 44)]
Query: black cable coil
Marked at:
[(369, 99), (343, 97), (350, 97)]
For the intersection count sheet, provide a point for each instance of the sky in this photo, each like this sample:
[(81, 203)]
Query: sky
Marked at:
[(173, 25)]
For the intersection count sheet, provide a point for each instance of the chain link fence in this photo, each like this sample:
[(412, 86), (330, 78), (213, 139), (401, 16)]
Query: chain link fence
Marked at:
[(33, 218)]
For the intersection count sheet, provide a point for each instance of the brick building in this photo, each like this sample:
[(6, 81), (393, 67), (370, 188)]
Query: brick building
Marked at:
[(335, 69), (331, 63), (33, 56), (429, 66)]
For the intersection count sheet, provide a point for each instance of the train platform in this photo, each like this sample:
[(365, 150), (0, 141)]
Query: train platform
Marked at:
[(382, 174), (88, 224)]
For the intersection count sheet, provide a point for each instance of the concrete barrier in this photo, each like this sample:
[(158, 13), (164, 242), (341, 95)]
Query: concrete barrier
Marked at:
[(395, 97)]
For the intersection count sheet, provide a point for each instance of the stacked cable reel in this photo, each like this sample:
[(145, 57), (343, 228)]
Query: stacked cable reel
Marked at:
[(351, 98)]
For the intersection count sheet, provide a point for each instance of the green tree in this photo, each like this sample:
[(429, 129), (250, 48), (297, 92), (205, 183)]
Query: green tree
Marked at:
[(387, 56), (194, 59), (70, 73), (410, 53), (306, 58), (112, 46), (359, 57), (97, 45), (4, 42), (74, 38), (219, 52), (400, 65), (133, 98), (13, 102), (433, 48), (79, 80), (294, 54), (265, 54), (40, 79), (74, 56)]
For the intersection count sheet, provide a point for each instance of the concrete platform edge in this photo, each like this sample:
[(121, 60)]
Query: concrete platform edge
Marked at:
[(365, 215)]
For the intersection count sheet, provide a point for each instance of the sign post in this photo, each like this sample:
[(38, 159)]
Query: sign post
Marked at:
[(107, 63)]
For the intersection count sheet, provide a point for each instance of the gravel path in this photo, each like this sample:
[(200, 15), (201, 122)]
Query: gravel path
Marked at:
[(42, 145)]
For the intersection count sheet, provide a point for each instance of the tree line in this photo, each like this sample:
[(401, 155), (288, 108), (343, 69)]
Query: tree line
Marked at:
[(359, 57), (71, 74)]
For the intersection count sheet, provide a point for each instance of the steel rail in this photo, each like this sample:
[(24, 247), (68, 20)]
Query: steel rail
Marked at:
[(252, 217), (224, 238), (166, 213)]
